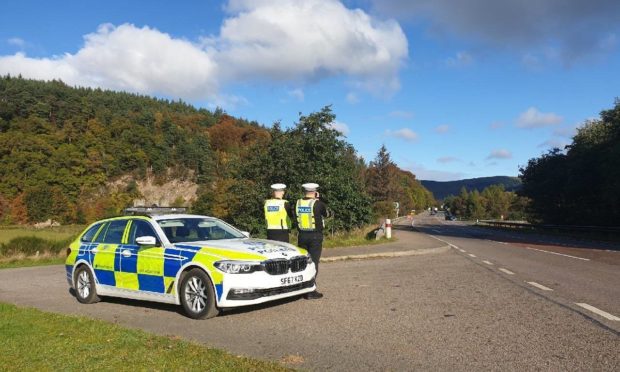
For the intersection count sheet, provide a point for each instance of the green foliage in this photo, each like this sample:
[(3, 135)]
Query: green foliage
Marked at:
[(309, 152), (30, 245), (386, 184), (580, 185), (493, 203), (62, 148)]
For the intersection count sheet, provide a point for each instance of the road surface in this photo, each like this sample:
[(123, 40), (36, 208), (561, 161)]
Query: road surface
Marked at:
[(453, 310)]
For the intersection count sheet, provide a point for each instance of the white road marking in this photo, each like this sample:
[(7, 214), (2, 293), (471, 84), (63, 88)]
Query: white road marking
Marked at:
[(488, 262), (506, 271), (559, 254), (600, 312), (461, 250), (540, 286), (472, 255)]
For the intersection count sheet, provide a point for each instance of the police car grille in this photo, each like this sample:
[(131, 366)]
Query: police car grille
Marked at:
[(276, 267), (298, 264)]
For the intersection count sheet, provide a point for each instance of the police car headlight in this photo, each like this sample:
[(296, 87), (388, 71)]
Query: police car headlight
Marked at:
[(237, 267), (309, 259)]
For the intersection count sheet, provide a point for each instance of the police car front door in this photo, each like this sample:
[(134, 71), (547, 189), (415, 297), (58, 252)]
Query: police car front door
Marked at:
[(105, 252), (142, 267)]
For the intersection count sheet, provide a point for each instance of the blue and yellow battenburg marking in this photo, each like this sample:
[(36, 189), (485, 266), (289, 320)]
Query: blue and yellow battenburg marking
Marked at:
[(150, 269)]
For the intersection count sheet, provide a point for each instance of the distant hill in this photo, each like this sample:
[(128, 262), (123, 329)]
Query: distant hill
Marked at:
[(442, 189)]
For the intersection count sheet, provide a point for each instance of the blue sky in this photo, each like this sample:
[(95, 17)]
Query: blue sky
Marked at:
[(453, 89)]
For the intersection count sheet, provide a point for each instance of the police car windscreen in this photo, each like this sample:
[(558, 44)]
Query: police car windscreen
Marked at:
[(180, 230)]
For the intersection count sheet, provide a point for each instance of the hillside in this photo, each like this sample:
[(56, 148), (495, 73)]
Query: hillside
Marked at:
[(443, 189), (74, 155)]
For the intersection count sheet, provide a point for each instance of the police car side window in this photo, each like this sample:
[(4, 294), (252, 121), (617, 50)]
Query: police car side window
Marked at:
[(140, 228), (112, 233), (90, 234)]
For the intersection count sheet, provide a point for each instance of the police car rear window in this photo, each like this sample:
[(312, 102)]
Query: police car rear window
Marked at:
[(90, 234), (112, 233)]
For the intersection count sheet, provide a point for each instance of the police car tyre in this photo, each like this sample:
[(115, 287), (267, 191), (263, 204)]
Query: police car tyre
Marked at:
[(197, 295), (84, 285)]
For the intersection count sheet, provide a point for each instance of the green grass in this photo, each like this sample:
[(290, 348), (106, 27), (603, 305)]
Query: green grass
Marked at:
[(20, 261), (353, 238), (56, 233), (33, 340)]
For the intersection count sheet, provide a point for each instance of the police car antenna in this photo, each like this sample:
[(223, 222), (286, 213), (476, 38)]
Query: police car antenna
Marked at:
[(154, 210)]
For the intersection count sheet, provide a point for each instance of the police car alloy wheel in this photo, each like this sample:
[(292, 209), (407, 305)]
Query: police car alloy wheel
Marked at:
[(84, 286), (197, 295)]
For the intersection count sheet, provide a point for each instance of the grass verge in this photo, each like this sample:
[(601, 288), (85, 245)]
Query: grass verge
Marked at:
[(53, 233), (20, 260), (33, 340), (354, 238)]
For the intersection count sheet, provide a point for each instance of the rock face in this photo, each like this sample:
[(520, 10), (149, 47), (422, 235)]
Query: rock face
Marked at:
[(169, 193), (176, 192)]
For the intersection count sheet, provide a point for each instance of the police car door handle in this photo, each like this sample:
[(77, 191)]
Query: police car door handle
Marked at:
[(126, 253)]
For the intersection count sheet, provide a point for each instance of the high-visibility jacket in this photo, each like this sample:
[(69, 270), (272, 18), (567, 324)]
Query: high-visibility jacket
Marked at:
[(276, 215), (304, 210)]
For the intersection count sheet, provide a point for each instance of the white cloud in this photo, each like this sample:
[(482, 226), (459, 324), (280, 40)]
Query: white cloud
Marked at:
[(127, 58), (297, 93), (442, 129), (291, 41), (447, 159), (16, 41), (403, 133), (310, 39), (352, 98), (400, 114), (576, 28), (462, 59), (533, 118), (499, 154), (566, 132), (423, 173), (340, 127), (554, 143)]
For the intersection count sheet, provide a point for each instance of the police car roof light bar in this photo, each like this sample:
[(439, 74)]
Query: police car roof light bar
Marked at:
[(149, 211)]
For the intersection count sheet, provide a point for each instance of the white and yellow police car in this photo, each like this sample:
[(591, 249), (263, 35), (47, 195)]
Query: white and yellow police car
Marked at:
[(199, 262)]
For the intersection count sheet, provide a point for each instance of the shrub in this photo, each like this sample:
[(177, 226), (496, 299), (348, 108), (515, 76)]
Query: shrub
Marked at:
[(30, 245)]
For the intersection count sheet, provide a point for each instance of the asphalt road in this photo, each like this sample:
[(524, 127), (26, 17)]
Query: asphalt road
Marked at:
[(436, 311)]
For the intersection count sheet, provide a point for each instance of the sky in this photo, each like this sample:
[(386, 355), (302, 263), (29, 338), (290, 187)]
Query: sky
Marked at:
[(453, 89)]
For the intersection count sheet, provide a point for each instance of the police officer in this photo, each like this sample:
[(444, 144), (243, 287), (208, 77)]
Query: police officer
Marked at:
[(309, 213), (278, 214)]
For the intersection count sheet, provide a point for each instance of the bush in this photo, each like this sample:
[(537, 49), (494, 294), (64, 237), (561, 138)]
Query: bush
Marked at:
[(30, 245)]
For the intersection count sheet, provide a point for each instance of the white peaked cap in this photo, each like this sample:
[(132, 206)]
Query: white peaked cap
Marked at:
[(278, 186), (310, 186)]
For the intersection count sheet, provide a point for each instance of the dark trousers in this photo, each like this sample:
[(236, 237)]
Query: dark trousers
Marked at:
[(312, 242), (278, 235)]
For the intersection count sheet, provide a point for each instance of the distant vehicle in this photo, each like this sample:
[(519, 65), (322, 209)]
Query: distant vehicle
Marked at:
[(450, 217), (198, 262)]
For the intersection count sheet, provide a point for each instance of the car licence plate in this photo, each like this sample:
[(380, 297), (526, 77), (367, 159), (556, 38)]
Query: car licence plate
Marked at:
[(292, 280)]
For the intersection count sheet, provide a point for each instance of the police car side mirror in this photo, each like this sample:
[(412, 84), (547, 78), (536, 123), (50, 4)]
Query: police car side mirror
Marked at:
[(146, 241), (246, 234)]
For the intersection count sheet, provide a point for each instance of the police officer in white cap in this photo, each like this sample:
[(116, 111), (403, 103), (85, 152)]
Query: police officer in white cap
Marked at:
[(310, 213), (278, 214)]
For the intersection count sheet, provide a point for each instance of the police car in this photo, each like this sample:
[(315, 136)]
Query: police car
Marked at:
[(199, 262)]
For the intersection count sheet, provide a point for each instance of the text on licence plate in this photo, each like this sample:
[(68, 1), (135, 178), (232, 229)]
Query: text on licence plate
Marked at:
[(292, 280)]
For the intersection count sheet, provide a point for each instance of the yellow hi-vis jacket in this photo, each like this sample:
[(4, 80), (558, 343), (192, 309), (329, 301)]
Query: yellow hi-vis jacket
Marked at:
[(304, 210), (276, 216)]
